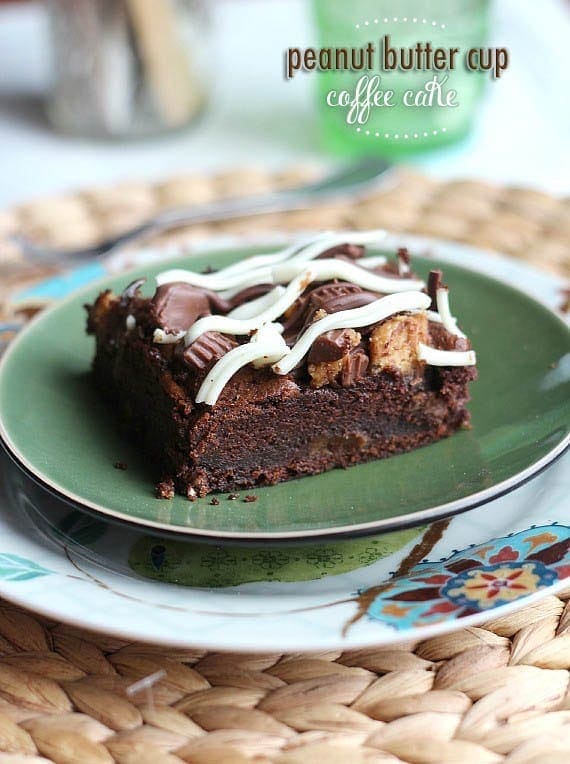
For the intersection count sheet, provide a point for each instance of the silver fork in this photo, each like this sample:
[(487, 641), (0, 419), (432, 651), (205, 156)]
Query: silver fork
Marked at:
[(355, 179)]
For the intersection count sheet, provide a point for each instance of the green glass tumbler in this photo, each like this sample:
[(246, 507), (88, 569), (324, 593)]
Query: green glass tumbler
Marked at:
[(399, 129)]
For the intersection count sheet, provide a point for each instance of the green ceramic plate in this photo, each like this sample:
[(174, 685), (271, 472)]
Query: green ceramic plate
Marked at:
[(58, 430)]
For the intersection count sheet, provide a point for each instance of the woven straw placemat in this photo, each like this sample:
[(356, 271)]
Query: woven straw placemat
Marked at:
[(525, 223), (496, 693)]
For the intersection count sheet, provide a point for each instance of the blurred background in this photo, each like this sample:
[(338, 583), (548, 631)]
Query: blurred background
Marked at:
[(207, 91)]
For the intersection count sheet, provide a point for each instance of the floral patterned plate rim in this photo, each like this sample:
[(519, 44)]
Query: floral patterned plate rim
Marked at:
[(451, 574), (409, 584)]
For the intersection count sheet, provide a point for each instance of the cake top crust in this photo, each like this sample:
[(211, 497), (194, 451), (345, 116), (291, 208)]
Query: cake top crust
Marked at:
[(304, 304)]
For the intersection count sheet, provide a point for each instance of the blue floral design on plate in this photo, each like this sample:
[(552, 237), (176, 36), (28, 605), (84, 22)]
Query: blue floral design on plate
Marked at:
[(476, 579)]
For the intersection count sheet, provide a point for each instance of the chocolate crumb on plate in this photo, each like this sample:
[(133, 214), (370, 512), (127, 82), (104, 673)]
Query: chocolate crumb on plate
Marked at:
[(165, 489), (250, 498), (120, 466), (214, 502), (233, 496)]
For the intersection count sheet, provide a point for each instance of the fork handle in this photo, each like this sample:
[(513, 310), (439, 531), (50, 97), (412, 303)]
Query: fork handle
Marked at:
[(227, 209), (218, 210), (350, 183)]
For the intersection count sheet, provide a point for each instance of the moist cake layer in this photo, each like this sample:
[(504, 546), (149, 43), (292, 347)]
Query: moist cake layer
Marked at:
[(358, 392)]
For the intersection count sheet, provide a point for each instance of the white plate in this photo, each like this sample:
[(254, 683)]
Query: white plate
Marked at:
[(486, 562)]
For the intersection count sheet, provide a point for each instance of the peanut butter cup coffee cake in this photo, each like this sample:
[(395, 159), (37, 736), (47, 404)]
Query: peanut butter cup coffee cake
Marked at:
[(282, 365)]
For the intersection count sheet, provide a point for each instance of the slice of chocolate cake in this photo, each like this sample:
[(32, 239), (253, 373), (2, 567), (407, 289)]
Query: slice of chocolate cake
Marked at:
[(282, 365)]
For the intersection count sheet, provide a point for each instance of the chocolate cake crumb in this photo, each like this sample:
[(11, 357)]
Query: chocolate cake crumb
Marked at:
[(165, 489), (120, 466), (250, 498), (233, 496), (191, 494), (214, 502)]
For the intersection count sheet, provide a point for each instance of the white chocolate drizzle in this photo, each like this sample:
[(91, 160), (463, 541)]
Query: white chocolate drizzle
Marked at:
[(435, 357), (257, 261), (265, 334), (217, 282), (260, 269), (319, 245), (265, 347), (351, 319), (253, 307), (332, 268), (433, 316), (309, 249), (297, 266), (282, 273), (227, 325), (373, 261), (449, 322), (403, 267)]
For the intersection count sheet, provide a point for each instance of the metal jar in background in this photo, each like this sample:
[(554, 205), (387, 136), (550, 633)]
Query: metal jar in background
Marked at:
[(127, 68)]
